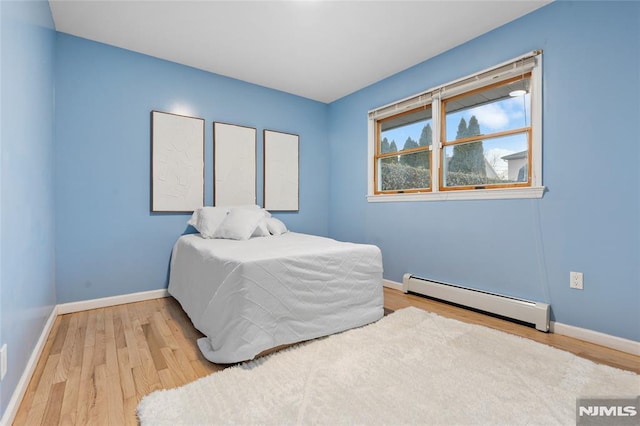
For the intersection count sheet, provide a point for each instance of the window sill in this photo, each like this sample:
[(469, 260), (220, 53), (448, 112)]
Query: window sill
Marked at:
[(476, 194)]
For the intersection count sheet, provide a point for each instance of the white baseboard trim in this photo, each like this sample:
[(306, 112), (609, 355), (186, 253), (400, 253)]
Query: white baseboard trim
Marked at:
[(602, 339), (85, 305), (23, 383), (392, 284)]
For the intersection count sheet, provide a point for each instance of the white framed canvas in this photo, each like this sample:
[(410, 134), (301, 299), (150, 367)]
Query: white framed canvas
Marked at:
[(281, 171), (234, 171), (177, 162)]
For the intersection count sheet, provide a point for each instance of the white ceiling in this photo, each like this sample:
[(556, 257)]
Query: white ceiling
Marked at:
[(322, 50)]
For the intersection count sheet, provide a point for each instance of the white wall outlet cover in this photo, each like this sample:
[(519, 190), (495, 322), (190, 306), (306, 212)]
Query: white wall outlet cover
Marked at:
[(3, 361), (576, 280)]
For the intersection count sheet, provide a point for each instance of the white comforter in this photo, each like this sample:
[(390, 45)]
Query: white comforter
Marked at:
[(249, 296)]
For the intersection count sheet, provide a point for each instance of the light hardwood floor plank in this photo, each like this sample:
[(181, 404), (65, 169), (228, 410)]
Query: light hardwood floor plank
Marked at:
[(60, 335), (147, 369), (90, 336), (179, 375), (126, 375), (87, 388), (71, 392), (99, 353), (130, 338), (67, 350), (98, 412), (43, 390), (111, 348), (115, 399), (97, 365), (121, 341), (166, 379), (69, 401), (130, 405), (54, 404), (154, 344)]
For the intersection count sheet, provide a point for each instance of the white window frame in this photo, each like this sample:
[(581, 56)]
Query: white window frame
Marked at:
[(503, 71)]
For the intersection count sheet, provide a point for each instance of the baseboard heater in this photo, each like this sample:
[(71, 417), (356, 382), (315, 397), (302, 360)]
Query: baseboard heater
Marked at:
[(535, 313)]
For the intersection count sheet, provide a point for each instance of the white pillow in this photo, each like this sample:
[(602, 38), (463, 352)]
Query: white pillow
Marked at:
[(199, 217), (239, 224), (261, 229), (209, 219), (275, 226), (193, 221)]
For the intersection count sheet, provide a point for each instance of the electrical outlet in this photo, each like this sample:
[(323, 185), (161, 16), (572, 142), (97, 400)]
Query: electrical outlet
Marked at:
[(3, 361), (575, 280)]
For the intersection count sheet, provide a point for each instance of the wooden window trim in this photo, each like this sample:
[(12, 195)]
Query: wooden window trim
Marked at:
[(378, 155), (444, 143)]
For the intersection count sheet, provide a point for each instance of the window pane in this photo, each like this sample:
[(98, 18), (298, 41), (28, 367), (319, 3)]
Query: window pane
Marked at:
[(406, 131), (405, 171), (502, 160), (489, 111)]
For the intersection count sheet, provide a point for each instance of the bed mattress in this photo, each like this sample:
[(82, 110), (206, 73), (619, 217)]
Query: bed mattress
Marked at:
[(250, 296)]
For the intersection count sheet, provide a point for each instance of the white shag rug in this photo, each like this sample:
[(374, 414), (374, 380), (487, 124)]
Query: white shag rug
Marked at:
[(411, 367)]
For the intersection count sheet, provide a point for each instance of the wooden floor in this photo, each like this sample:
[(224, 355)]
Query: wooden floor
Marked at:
[(98, 364)]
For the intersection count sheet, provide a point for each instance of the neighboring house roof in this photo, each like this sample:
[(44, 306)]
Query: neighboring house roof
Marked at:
[(517, 155)]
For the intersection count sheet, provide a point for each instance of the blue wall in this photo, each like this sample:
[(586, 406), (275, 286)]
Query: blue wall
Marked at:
[(108, 243), (587, 221), (27, 286)]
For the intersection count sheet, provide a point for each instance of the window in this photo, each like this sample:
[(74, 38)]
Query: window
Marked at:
[(405, 169), (477, 137), (480, 129)]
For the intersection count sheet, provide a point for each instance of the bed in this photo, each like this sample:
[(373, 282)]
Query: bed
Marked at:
[(253, 295)]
